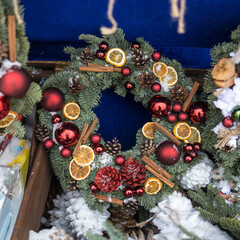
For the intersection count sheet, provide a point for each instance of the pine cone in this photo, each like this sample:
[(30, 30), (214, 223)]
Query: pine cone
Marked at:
[(145, 80), (86, 55), (130, 208), (3, 51), (113, 148), (138, 59), (74, 85), (41, 133), (133, 173), (72, 185), (178, 93), (140, 235), (147, 147)]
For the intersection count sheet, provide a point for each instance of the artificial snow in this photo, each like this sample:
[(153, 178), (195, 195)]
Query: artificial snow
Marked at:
[(233, 54), (6, 64), (104, 160)]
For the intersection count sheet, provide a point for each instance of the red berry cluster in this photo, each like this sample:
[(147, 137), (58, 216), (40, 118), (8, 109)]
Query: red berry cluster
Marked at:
[(177, 113), (191, 151), (129, 191), (103, 47)]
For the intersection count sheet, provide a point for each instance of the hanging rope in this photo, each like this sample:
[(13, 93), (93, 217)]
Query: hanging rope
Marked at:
[(174, 9), (113, 29), (18, 17)]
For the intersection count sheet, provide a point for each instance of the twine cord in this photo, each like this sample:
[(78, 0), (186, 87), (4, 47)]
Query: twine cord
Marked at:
[(174, 9), (18, 17)]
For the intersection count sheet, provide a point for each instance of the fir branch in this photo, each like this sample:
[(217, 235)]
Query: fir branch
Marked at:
[(16, 129)]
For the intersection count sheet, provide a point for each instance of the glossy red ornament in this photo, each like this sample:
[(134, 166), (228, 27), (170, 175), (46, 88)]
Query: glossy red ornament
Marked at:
[(177, 107), (120, 160), (67, 134), (187, 158), (168, 153), (126, 71), (129, 86), (197, 112), (188, 148), (66, 152), (197, 147), (136, 45), (156, 56), (52, 99), (94, 187), (56, 118), (103, 46), (4, 106), (100, 54), (15, 82), (156, 87), (228, 122), (193, 155), (139, 191), (128, 192), (182, 116), (48, 143), (159, 106), (171, 118), (95, 138), (99, 149)]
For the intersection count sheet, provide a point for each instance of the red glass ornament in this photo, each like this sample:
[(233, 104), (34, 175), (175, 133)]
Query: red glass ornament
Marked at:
[(100, 54), (171, 118), (99, 149), (159, 106), (56, 118), (128, 192), (136, 45), (48, 143), (197, 112), (103, 46), (168, 153), (120, 160), (228, 122), (66, 152), (182, 116), (15, 82), (156, 87), (95, 138), (193, 155), (94, 187), (177, 107), (156, 56), (197, 147), (139, 191), (188, 148), (187, 158), (129, 86), (67, 134), (52, 99), (4, 106), (126, 71)]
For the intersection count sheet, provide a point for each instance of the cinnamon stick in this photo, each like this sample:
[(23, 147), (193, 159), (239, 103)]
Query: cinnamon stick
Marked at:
[(12, 38), (190, 96), (167, 133), (99, 68), (226, 196), (108, 199), (79, 143), (156, 174), (91, 128), (156, 167)]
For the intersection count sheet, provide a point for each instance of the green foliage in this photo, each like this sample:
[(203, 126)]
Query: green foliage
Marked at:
[(16, 129)]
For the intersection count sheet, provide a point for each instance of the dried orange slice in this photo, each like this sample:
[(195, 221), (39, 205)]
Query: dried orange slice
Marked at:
[(116, 57), (149, 130), (195, 136), (160, 69), (78, 172), (152, 186), (182, 131), (71, 110), (84, 155), (171, 78), (8, 119)]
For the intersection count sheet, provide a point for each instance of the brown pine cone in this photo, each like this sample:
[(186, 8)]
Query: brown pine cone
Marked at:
[(141, 236), (72, 185), (86, 55), (41, 132), (74, 85), (3, 51), (138, 58), (147, 147), (113, 147), (178, 93), (145, 80), (130, 208)]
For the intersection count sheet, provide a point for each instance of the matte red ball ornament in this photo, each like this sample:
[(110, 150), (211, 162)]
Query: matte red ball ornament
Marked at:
[(197, 112), (56, 118), (93, 187), (139, 191), (228, 122), (187, 158), (159, 106), (171, 118), (4, 106), (129, 85), (126, 71), (52, 99), (15, 82), (197, 147), (99, 149), (66, 152), (120, 160), (103, 46), (177, 107), (128, 192), (156, 87), (95, 138), (100, 54), (182, 116), (136, 45), (156, 56), (48, 143), (168, 153), (67, 134), (188, 148)]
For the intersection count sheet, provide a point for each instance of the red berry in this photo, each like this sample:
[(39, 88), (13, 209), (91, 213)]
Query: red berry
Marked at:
[(120, 160), (126, 71), (228, 122), (99, 149), (136, 45), (48, 143), (128, 192), (139, 191), (95, 138), (103, 46), (156, 56), (66, 152), (188, 148), (187, 158), (182, 116), (177, 107), (156, 87), (100, 54), (194, 155), (56, 118), (171, 118), (94, 187), (197, 147)]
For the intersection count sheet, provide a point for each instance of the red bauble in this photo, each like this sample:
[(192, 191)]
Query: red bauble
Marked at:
[(188, 148), (139, 191), (68, 134), (136, 44), (156, 56), (15, 82), (228, 122), (4, 106), (48, 143), (95, 138), (126, 71), (99, 149), (56, 118), (193, 155), (103, 46), (129, 86), (52, 99), (66, 152), (182, 116), (197, 147), (128, 192), (94, 187), (156, 87), (159, 106), (171, 118), (197, 112), (187, 158), (100, 54), (120, 160), (168, 153), (177, 107)]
